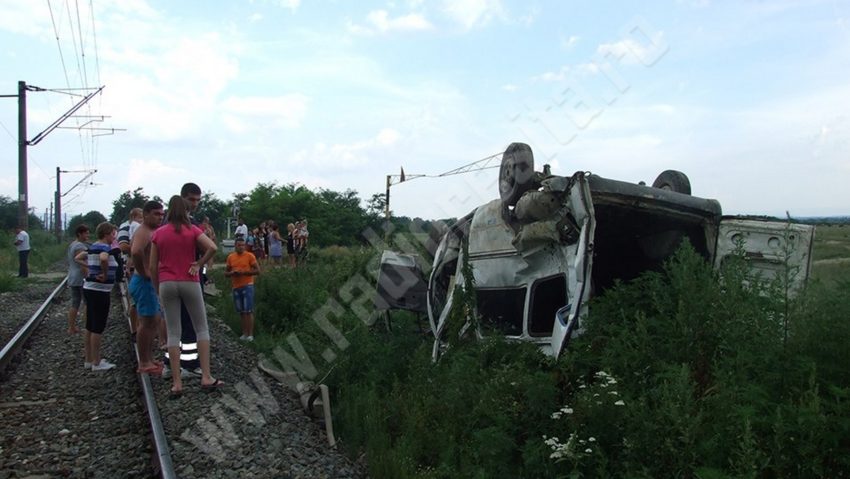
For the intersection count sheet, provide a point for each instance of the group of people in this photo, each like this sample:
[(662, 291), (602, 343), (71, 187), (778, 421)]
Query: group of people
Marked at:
[(266, 243), (165, 252)]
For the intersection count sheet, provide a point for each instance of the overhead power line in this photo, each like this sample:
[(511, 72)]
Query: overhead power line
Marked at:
[(59, 44)]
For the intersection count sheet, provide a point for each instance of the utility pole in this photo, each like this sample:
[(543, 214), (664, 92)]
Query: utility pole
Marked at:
[(58, 223), (387, 208), (23, 143), (23, 201), (57, 200), (492, 161)]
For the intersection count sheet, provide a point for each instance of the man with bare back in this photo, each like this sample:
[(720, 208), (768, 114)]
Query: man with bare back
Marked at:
[(141, 288)]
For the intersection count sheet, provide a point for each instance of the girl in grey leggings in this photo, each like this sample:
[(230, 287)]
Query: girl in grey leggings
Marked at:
[(174, 274)]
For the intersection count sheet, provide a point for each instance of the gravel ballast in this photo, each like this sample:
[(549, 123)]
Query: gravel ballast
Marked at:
[(59, 420)]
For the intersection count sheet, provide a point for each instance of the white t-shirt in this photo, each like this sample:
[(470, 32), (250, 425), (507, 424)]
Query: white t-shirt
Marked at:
[(24, 239), (133, 227), (242, 230)]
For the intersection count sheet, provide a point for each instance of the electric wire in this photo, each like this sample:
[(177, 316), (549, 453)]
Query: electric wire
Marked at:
[(94, 38), (86, 158), (82, 44), (82, 74), (97, 73), (9, 132), (73, 41), (77, 55), (59, 45)]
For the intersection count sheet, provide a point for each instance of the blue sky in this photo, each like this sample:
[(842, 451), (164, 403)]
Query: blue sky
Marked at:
[(750, 99)]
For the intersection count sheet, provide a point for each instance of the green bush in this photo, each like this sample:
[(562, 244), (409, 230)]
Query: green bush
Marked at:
[(712, 386), (685, 372)]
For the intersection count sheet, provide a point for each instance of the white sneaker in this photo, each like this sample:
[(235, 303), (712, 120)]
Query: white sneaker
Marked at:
[(87, 365), (243, 337), (249, 338), (103, 366)]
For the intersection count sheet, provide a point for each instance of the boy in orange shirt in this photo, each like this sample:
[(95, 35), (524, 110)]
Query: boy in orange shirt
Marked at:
[(242, 266)]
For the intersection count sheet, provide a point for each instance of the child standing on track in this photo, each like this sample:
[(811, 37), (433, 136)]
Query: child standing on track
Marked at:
[(97, 288), (241, 268)]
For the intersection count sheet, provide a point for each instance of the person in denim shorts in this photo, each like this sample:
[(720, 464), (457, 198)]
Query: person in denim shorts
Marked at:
[(142, 290), (76, 275), (241, 268)]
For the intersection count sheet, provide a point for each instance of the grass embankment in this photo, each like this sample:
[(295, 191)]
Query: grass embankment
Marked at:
[(680, 374), (45, 253), (831, 253)]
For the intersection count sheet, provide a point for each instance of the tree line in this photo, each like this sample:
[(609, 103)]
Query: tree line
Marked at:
[(335, 218), (9, 215)]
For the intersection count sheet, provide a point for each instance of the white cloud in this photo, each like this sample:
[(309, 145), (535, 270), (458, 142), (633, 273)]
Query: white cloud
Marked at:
[(387, 137), (290, 4), (243, 114), (695, 3), (150, 172), (346, 157), (569, 43), (566, 72), (631, 52), (24, 18), (356, 29), (662, 108), (473, 13), (255, 17), (380, 22), (165, 89), (509, 87), (529, 18), (559, 75)]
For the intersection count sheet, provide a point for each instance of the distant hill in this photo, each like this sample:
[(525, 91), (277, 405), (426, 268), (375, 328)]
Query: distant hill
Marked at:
[(823, 220)]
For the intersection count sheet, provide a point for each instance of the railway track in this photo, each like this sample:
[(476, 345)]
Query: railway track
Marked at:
[(59, 420)]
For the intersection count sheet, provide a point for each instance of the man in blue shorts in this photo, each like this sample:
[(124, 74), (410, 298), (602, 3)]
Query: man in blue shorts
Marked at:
[(141, 287)]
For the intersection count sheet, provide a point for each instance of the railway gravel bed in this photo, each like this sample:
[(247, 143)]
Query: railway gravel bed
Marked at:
[(17, 306), (253, 427), (59, 420)]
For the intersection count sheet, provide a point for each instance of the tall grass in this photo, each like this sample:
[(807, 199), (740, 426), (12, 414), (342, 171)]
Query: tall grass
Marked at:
[(46, 254), (681, 373)]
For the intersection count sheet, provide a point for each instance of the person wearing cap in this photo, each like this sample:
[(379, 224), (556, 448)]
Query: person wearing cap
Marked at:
[(241, 267)]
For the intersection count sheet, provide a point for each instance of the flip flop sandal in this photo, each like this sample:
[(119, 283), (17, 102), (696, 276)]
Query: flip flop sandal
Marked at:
[(213, 386), (156, 369), (172, 394)]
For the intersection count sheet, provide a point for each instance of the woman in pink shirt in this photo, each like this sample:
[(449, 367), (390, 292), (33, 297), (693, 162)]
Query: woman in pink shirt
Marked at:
[(174, 273)]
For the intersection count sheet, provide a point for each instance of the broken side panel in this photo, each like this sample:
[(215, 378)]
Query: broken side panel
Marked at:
[(401, 284), (772, 249), (580, 271), (444, 275)]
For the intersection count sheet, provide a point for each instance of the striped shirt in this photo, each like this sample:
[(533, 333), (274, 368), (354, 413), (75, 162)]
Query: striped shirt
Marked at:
[(91, 282), (124, 233)]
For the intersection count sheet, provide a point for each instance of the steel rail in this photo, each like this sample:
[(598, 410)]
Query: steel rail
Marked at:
[(162, 452), (20, 338)]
